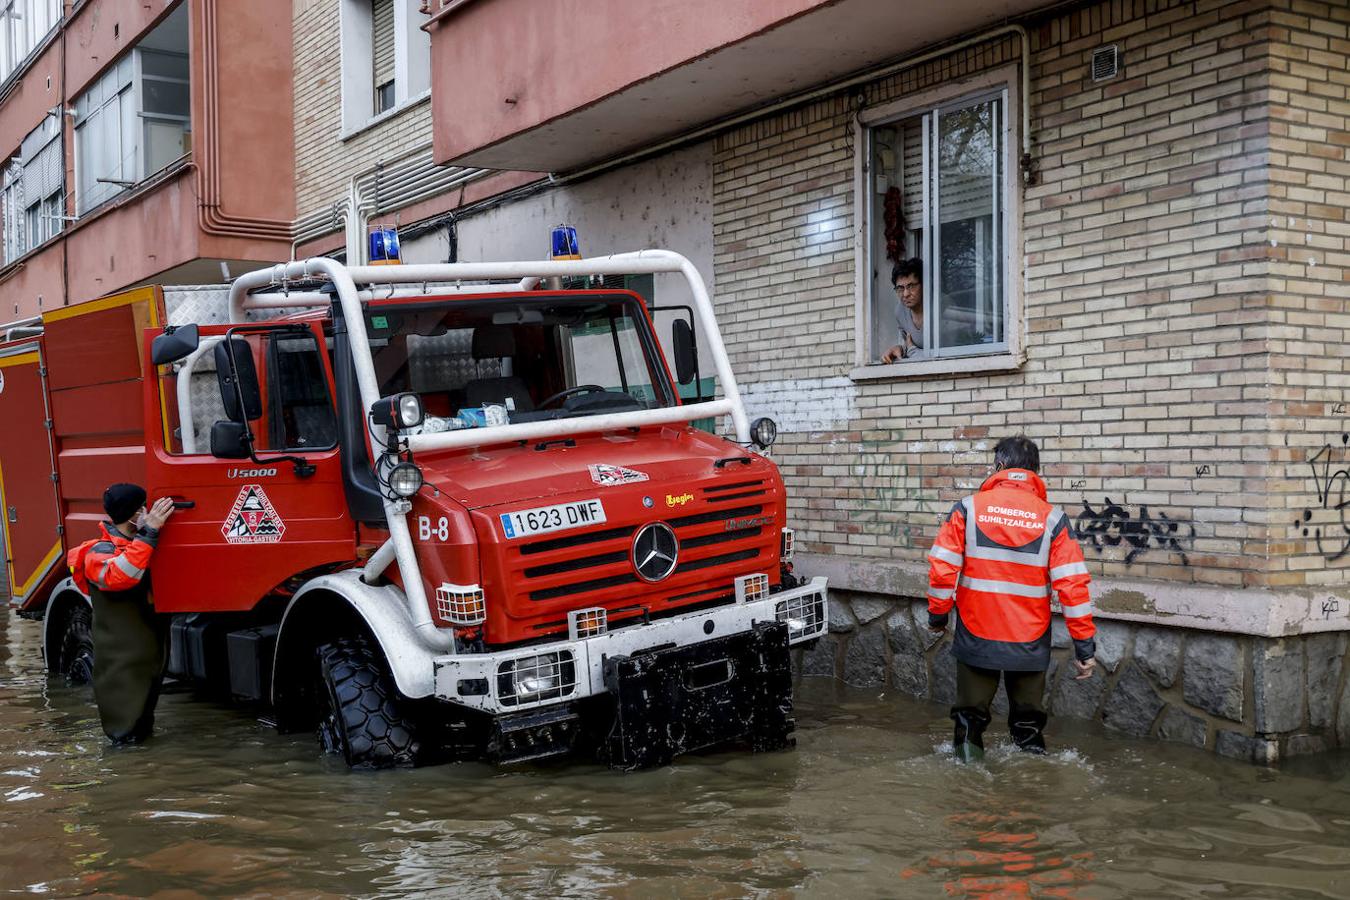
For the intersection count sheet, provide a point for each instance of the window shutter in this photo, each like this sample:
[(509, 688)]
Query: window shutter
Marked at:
[(43, 172), (383, 49)]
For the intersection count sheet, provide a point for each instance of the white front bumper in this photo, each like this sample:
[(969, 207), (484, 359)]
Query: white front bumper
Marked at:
[(460, 678)]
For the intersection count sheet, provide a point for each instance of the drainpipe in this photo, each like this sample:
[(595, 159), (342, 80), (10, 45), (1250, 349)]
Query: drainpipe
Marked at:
[(210, 214)]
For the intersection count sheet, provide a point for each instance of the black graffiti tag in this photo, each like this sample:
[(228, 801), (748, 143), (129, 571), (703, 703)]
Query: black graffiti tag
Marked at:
[(1113, 525), (1332, 488)]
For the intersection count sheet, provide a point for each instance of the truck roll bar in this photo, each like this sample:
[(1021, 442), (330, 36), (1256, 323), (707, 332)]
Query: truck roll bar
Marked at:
[(345, 279), (642, 262)]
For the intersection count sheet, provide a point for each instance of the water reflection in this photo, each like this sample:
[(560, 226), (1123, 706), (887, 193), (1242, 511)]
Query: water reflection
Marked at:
[(868, 805)]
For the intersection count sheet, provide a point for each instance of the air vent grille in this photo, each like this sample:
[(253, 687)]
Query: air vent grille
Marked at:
[(1105, 63)]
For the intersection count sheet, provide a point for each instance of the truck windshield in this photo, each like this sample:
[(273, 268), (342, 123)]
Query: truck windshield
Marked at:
[(514, 360)]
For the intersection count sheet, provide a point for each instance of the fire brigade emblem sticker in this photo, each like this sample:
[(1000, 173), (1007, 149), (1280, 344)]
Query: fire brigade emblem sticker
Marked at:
[(252, 519), (606, 475)]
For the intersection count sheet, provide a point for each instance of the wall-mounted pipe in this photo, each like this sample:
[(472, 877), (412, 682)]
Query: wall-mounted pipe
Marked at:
[(211, 214)]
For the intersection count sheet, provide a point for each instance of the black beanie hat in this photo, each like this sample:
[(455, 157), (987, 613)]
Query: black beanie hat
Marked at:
[(122, 501)]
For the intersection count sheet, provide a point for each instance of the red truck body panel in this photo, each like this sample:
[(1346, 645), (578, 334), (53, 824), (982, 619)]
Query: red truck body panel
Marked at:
[(27, 493), (727, 518), (91, 392)]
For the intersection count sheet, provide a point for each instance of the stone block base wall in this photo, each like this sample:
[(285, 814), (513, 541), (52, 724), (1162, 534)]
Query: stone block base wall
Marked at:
[(1246, 697)]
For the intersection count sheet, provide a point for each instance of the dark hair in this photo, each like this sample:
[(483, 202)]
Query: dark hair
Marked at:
[(1018, 452), (908, 267)]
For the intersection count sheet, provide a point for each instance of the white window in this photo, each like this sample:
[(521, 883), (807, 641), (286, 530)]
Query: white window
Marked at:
[(23, 26), (11, 209), (383, 55), (386, 58), (33, 195), (136, 119), (936, 198)]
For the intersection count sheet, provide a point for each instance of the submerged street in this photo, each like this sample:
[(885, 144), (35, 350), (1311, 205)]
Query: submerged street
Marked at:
[(868, 804)]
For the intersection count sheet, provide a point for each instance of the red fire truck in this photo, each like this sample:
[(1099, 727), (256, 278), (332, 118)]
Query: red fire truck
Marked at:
[(431, 512)]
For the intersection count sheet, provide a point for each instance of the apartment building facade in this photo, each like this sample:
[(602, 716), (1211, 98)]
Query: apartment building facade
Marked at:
[(1132, 219), (140, 145)]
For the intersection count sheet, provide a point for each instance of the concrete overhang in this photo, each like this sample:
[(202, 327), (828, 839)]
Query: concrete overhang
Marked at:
[(535, 116)]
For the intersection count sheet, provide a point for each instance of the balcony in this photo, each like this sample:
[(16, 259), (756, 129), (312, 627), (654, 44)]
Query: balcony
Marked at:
[(545, 87)]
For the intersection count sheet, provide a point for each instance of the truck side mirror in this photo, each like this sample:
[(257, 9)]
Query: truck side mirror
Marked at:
[(229, 440), (686, 351), (174, 344), (238, 380)]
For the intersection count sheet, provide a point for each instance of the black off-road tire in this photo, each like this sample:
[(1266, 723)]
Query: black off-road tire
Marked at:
[(76, 650), (362, 715)]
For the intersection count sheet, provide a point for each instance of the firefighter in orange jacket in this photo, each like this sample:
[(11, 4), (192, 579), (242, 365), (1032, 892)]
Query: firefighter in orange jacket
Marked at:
[(129, 638), (997, 558)]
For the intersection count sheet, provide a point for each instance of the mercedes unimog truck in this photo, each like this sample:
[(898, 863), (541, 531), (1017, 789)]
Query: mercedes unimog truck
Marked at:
[(429, 512)]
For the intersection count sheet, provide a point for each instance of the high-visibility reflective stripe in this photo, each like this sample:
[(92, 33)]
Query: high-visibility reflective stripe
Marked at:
[(127, 568), (941, 593), (948, 556), (1068, 569), (1077, 612), (1005, 587), (1053, 522), (1000, 554)]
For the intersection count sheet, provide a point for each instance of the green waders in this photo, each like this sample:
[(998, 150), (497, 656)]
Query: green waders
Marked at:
[(975, 690), (130, 653)]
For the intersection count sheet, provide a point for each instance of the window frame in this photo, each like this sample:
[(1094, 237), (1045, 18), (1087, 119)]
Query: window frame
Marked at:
[(23, 36), (118, 86), (31, 221), (412, 64), (275, 388), (1004, 80)]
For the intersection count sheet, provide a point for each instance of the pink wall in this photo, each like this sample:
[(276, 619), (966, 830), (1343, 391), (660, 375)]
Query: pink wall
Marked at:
[(37, 276), (132, 242), (38, 91), (253, 83), (551, 58), (102, 31)]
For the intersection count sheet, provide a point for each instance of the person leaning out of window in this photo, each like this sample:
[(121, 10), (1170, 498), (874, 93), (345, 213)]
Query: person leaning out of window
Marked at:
[(907, 279)]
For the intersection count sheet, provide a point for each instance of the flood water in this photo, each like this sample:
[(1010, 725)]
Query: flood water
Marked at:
[(867, 805)]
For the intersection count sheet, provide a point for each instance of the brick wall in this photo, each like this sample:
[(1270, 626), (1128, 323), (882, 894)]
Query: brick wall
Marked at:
[(1173, 356), (324, 162), (1309, 45)]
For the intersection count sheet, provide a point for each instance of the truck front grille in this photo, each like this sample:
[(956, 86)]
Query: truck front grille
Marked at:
[(606, 563), (739, 490)]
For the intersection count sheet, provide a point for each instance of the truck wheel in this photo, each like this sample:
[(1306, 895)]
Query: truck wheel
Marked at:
[(360, 714), (76, 661)]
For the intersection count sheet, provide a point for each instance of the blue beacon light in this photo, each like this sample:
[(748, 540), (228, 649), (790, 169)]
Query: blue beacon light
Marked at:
[(384, 247), (565, 244)]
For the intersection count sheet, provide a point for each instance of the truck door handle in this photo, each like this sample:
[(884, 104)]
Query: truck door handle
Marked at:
[(184, 504)]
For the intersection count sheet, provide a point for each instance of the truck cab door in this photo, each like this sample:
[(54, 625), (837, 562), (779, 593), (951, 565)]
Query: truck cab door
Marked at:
[(242, 528)]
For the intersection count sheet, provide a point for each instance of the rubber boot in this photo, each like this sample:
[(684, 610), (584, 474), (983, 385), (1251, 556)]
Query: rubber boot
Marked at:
[(1028, 730), (968, 737)]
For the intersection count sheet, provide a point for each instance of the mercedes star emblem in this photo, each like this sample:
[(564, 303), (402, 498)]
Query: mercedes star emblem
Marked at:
[(655, 550)]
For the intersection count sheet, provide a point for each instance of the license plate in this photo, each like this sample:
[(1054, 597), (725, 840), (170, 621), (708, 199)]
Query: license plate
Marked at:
[(552, 518)]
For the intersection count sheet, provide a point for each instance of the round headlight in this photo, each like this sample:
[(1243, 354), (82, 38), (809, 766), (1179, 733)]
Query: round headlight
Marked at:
[(764, 432), (405, 479), (410, 410)]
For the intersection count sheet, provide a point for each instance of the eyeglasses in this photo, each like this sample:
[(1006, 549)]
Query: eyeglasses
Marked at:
[(901, 287)]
